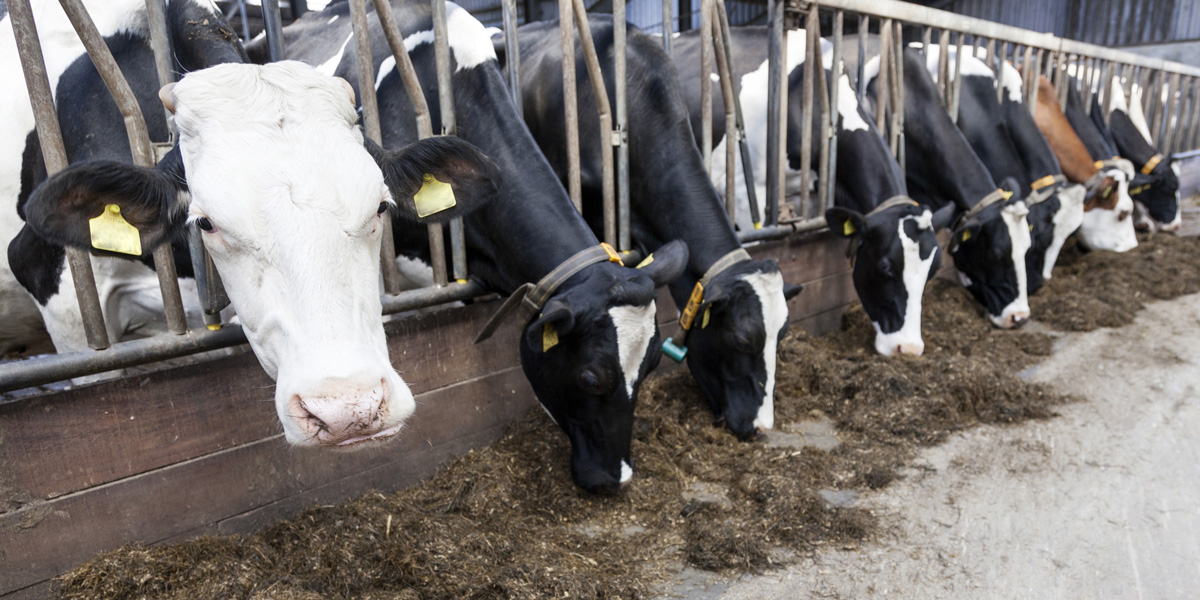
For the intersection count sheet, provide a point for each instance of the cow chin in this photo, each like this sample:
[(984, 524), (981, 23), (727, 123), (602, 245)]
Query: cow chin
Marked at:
[(364, 408), (902, 341), (1104, 229)]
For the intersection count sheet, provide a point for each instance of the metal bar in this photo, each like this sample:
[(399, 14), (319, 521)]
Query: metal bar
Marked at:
[(1036, 77), (731, 131), (863, 28), (706, 100), (883, 86), (1172, 113), (943, 78), (1104, 88), (775, 232), (245, 20), (926, 39), (16, 375), (1087, 78), (606, 127), (956, 83), (441, 48), (1156, 122), (404, 66), (811, 68), (566, 30), (836, 61), (776, 103), (160, 43), (726, 47), (33, 65), (273, 29), (621, 134), (668, 15), (512, 53), (898, 95), (823, 111)]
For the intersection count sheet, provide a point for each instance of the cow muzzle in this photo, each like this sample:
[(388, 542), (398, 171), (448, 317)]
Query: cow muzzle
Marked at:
[(343, 414)]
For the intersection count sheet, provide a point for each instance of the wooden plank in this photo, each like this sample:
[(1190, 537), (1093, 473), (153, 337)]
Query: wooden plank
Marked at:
[(42, 540)]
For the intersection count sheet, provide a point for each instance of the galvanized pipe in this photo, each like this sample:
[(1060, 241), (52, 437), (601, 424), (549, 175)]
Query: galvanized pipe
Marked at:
[(706, 67), (830, 174), (1035, 77), (160, 43), (566, 29), (809, 90), (726, 47), (668, 15), (943, 78), (864, 28), (599, 90), (883, 86), (273, 29), (956, 83), (437, 250), (926, 39), (512, 53), (404, 66), (731, 131), (779, 231), (620, 137), (898, 95), (1172, 112), (821, 84), (1156, 116), (776, 109)]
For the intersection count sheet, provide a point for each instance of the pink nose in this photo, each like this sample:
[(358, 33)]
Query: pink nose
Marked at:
[(1016, 320), (343, 418), (913, 349), (1172, 227)]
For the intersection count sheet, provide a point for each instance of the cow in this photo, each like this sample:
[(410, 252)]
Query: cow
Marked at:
[(733, 327), (270, 165), (1007, 140), (592, 338), (1100, 181), (1155, 186), (1107, 226), (990, 237), (894, 249)]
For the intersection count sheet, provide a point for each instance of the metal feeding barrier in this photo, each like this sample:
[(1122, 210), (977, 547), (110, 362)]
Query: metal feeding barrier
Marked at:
[(1170, 97)]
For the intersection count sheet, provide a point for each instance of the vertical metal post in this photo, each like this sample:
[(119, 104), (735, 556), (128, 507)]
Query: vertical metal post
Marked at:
[(1172, 113), (606, 126), (883, 85), (725, 71), (1087, 79), (566, 28), (621, 133), (725, 47), (957, 81), (1156, 123), (437, 250), (834, 89), (926, 39), (273, 29), (943, 71), (706, 68), (776, 101), (811, 68), (33, 65), (512, 53), (864, 26), (815, 57), (668, 15), (160, 43), (1036, 77), (898, 95), (1031, 80)]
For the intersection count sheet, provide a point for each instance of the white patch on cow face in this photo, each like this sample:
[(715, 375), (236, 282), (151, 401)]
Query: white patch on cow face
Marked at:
[(907, 339), (1113, 230), (1010, 78), (330, 66), (626, 472), (275, 160), (1177, 222), (1016, 221), (1068, 218), (768, 286), (635, 330)]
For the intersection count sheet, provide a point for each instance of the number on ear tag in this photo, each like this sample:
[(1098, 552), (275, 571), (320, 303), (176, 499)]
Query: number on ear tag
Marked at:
[(549, 337), (433, 197), (847, 228), (112, 232)]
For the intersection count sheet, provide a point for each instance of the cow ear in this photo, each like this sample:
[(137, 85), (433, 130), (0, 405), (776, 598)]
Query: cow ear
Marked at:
[(437, 179), (556, 320), (845, 222), (791, 290), (61, 209), (668, 264), (944, 216)]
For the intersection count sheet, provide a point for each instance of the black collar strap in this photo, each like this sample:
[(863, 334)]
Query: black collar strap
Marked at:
[(530, 298), (856, 241), (1044, 188), (988, 200), (1151, 164), (688, 316)]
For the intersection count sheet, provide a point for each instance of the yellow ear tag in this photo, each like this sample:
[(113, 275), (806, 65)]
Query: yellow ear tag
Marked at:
[(847, 228), (704, 321), (1031, 226), (433, 197), (549, 337), (645, 261), (112, 232), (966, 235), (1007, 194)]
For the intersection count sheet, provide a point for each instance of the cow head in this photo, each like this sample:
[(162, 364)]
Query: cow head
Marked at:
[(733, 340), (897, 252), (1107, 213), (290, 203), (1158, 194), (989, 251), (587, 352), (1052, 221)]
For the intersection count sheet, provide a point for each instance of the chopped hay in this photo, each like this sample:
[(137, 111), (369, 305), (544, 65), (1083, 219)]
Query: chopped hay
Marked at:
[(506, 521)]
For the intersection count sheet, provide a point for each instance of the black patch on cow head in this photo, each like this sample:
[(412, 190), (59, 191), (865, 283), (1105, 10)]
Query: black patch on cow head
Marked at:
[(1158, 191), (982, 250), (727, 342), (879, 258), (472, 175), (579, 379), (1041, 232)]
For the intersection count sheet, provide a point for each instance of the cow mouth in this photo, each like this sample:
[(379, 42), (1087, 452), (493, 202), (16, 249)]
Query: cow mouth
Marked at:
[(378, 436)]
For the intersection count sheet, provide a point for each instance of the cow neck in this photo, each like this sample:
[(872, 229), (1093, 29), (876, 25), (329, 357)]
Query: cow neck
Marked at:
[(1129, 140), (1085, 128), (1033, 147), (983, 121)]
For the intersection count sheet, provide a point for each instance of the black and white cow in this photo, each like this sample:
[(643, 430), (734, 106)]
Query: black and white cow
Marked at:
[(605, 337), (990, 240), (743, 314), (1007, 140), (896, 249), (1103, 228), (1156, 184), (270, 165)]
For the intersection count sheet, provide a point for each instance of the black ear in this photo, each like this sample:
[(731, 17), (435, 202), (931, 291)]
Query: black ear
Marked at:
[(791, 290), (944, 216), (668, 264), (60, 208), (557, 319), (499, 47), (1012, 185), (845, 222), (452, 177)]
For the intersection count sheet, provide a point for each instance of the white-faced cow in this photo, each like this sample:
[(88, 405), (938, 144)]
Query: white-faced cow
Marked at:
[(270, 165), (893, 246), (734, 326), (1007, 140), (595, 337), (1155, 186), (990, 237)]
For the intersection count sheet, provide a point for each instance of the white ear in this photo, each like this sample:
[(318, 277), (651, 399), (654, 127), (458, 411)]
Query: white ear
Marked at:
[(167, 96), (349, 89)]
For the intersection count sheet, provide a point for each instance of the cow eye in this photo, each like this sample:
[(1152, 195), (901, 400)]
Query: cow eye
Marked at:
[(593, 382), (204, 224), (383, 206)]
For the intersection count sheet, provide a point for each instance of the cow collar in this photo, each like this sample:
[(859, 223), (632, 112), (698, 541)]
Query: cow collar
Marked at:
[(997, 196), (856, 241), (1151, 164), (687, 317), (1044, 188), (529, 298)]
